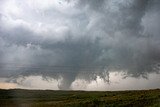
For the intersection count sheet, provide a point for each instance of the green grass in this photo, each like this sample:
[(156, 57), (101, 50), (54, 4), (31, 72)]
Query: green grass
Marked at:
[(48, 98)]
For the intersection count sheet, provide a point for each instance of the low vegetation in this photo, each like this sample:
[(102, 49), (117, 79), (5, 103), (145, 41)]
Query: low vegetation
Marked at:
[(49, 98)]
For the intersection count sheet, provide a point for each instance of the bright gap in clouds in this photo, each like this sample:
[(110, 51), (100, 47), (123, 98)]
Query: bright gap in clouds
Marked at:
[(116, 82)]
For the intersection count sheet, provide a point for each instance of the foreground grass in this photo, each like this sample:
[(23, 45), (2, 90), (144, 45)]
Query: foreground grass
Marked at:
[(48, 98)]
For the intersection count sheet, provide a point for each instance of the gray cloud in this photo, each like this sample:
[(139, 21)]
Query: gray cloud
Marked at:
[(79, 38)]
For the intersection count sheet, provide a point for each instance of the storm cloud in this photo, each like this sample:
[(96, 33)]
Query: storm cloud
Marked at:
[(72, 39)]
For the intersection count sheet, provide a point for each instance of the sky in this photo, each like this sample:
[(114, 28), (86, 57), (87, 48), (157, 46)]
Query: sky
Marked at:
[(80, 44)]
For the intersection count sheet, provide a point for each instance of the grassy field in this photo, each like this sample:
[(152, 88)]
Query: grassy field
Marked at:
[(48, 98)]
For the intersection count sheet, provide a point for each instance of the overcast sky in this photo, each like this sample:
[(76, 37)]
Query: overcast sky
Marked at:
[(62, 43)]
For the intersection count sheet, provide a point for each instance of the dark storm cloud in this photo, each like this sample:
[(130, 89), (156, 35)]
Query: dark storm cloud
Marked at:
[(97, 37)]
